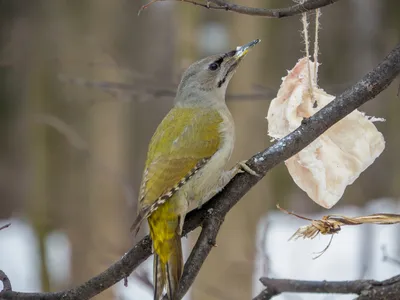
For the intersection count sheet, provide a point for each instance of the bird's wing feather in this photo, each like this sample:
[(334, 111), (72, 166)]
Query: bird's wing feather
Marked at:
[(182, 144)]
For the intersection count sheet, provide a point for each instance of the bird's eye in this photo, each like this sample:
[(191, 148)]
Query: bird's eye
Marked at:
[(213, 66)]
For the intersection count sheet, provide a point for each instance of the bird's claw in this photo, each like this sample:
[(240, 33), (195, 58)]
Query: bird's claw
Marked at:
[(242, 167)]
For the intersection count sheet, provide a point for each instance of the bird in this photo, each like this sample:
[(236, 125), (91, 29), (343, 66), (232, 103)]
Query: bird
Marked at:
[(186, 161)]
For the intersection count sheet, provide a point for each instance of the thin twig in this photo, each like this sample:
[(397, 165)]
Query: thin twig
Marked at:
[(367, 289), (253, 11), (207, 5), (152, 88), (274, 13)]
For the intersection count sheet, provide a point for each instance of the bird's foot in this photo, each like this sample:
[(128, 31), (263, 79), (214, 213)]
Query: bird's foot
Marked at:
[(242, 167)]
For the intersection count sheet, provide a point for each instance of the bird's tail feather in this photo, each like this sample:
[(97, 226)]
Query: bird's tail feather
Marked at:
[(167, 274), (159, 277)]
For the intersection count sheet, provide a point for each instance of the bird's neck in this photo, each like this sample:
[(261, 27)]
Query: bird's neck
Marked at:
[(199, 98)]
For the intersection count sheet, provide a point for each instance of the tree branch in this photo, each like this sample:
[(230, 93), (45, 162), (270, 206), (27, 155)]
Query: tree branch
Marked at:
[(278, 13), (153, 89), (6, 282), (270, 13), (366, 289), (118, 271), (211, 215)]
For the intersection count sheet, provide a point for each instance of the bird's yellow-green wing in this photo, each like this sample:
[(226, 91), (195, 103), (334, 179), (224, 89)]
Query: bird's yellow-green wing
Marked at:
[(181, 145)]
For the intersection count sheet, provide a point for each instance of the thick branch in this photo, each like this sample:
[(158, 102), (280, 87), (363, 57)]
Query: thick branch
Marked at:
[(6, 282), (366, 289), (213, 213), (118, 271), (272, 13)]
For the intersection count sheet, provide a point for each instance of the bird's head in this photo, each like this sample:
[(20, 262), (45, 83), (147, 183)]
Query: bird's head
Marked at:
[(206, 80)]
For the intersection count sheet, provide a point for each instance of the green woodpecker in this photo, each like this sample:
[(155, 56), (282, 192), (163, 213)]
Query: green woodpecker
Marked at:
[(186, 159)]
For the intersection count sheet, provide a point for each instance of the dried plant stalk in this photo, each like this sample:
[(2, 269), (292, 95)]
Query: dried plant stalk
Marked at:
[(331, 224)]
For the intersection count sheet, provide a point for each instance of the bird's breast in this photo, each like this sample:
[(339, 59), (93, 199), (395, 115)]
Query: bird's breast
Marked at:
[(207, 179)]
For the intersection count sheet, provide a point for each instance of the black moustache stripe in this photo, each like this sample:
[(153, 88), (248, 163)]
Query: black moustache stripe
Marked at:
[(231, 68), (219, 61)]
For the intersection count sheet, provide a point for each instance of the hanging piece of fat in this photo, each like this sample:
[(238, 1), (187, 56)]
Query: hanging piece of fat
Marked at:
[(335, 159)]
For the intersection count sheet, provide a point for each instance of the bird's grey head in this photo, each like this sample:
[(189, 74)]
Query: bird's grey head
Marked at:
[(204, 83)]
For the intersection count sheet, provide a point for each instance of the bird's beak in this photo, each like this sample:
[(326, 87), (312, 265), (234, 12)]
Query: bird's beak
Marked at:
[(242, 51)]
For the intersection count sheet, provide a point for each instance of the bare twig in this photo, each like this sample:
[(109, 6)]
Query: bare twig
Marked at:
[(262, 12), (156, 89), (153, 89), (6, 282), (5, 226), (277, 12), (206, 5), (366, 289), (211, 215)]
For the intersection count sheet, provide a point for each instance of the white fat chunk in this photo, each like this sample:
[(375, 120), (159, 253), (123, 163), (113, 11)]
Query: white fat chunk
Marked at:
[(337, 158)]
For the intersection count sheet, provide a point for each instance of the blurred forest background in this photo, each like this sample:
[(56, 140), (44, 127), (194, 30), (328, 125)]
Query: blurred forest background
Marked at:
[(83, 85)]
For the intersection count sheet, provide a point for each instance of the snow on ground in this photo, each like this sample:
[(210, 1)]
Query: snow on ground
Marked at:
[(19, 257), (354, 253)]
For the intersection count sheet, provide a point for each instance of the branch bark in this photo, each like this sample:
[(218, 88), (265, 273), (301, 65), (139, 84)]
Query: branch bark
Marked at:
[(276, 13), (6, 282), (366, 289), (211, 216), (271, 13)]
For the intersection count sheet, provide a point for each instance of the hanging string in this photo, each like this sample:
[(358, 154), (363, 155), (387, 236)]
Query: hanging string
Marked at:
[(307, 45), (316, 45)]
